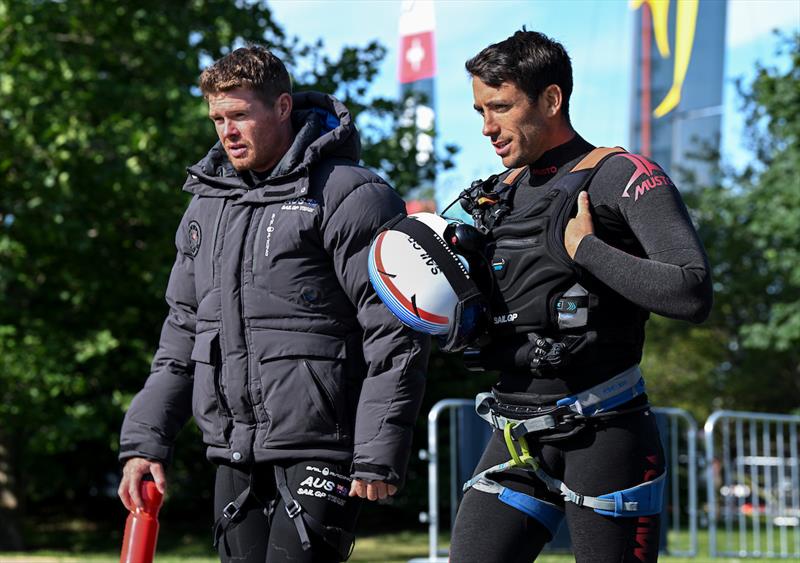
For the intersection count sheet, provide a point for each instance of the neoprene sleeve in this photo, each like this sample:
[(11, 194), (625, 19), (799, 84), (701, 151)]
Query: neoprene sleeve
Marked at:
[(672, 276)]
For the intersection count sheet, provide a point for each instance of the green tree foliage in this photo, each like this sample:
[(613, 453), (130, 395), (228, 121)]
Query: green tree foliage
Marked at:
[(99, 115), (747, 356)]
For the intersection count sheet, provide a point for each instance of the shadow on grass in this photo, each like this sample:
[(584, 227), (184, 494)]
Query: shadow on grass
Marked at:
[(74, 537)]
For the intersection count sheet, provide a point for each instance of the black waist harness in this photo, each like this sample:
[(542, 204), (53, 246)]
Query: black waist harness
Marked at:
[(539, 291)]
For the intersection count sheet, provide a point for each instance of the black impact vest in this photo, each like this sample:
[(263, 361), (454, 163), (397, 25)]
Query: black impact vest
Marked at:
[(547, 313)]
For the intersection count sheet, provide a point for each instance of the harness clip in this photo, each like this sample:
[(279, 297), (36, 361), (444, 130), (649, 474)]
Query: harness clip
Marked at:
[(293, 509), (496, 421), (231, 510)]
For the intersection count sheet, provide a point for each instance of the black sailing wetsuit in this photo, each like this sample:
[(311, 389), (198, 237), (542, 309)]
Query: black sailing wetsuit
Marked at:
[(646, 254)]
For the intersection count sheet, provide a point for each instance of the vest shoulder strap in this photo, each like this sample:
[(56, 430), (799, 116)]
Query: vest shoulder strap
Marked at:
[(589, 161), (593, 158), (511, 178)]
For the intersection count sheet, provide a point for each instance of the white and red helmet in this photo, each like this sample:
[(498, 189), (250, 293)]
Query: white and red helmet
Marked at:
[(424, 282)]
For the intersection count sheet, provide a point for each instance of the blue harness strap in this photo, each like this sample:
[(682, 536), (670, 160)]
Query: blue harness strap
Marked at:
[(607, 395), (546, 513), (648, 498), (549, 515), (641, 500)]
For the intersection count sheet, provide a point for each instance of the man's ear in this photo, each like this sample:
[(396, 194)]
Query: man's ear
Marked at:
[(283, 105), (550, 100)]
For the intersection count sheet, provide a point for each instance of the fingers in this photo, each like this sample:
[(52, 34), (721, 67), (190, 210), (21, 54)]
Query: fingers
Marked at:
[(135, 469), (157, 471), (579, 226), (358, 488), (372, 490), (377, 491), (583, 203), (134, 483), (122, 492)]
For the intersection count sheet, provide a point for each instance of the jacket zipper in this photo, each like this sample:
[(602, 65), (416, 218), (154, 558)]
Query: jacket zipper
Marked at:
[(245, 325), (517, 243)]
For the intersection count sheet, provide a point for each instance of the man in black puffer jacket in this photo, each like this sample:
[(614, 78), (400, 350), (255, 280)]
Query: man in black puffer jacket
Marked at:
[(298, 376)]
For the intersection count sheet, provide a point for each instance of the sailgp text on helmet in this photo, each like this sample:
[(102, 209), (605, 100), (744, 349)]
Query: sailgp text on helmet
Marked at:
[(417, 271)]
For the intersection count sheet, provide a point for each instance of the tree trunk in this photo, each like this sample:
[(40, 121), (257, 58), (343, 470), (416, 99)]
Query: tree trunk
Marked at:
[(10, 531)]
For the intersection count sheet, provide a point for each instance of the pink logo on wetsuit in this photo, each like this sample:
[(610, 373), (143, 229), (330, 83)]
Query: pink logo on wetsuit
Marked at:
[(654, 176)]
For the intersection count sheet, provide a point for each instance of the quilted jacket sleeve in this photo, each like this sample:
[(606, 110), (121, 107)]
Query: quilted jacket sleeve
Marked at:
[(164, 405), (396, 356)]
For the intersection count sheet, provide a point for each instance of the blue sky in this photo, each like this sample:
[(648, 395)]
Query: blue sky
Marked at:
[(596, 33)]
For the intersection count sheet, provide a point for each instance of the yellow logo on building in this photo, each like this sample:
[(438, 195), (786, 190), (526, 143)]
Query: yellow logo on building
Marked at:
[(685, 23)]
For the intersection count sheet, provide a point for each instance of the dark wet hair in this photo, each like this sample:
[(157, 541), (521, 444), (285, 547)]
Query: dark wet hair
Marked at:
[(529, 59)]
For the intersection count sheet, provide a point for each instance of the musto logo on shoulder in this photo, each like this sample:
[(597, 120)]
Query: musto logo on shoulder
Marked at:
[(403, 275)]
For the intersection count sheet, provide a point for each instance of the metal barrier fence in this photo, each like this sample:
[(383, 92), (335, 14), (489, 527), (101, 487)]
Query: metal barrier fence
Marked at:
[(468, 435), (753, 484), (435, 555)]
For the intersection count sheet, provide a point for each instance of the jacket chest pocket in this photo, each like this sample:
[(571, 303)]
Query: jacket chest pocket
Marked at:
[(208, 404), (302, 384)]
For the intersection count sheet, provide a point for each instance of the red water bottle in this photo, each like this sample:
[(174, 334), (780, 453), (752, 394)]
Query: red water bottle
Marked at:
[(141, 528)]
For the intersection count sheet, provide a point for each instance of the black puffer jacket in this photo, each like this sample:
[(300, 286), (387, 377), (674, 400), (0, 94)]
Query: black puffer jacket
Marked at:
[(275, 339)]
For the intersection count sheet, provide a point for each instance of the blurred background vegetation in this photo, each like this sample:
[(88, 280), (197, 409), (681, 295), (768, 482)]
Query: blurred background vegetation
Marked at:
[(100, 115)]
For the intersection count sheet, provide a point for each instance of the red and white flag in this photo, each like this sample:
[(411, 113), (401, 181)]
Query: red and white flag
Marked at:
[(417, 48)]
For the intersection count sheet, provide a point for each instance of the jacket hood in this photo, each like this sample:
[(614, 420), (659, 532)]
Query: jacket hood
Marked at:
[(323, 128)]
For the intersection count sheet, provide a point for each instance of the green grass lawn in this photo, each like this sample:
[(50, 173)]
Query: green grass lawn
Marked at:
[(382, 548)]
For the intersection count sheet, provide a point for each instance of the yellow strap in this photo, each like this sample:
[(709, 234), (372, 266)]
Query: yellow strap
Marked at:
[(510, 443), (526, 458)]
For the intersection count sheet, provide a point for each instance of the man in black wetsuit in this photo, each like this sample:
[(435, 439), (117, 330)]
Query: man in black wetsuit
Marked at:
[(583, 244)]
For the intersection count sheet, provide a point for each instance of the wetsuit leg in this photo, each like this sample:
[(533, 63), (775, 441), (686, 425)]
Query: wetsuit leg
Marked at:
[(604, 457), (246, 540), (487, 530), (617, 454), (321, 489)]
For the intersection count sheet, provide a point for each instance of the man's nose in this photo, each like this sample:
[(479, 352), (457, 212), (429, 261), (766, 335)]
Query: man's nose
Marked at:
[(490, 127), (230, 129)]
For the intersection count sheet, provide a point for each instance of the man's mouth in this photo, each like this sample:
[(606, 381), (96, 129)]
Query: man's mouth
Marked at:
[(502, 148), (237, 150)]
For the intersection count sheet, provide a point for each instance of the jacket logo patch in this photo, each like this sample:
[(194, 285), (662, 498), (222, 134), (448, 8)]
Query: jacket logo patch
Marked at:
[(270, 230), (305, 204), (325, 471), (195, 237), (324, 488)]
